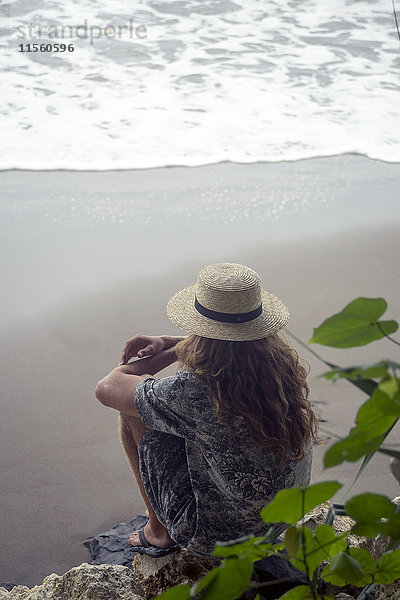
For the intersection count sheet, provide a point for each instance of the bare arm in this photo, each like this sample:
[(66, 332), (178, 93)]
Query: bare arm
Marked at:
[(117, 389), (147, 345)]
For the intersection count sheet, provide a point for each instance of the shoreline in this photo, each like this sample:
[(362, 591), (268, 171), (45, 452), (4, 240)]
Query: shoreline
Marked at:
[(207, 164)]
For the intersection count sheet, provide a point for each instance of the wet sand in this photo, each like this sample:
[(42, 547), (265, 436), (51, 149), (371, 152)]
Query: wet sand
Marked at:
[(76, 289)]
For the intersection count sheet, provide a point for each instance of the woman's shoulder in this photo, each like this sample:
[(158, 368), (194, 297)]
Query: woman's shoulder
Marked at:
[(187, 375), (191, 382)]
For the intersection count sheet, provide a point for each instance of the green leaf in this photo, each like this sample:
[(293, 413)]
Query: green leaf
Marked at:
[(365, 560), (330, 577), (231, 581), (373, 513), (204, 581), (369, 507), (293, 538), (375, 370), (356, 325), (374, 420), (357, 375), (180, 592), (346, 567), (388, 567), (306, 546), (356, 445), (300, 592), (329, 543), (292, 504), (313, 548), (365, 385), (391, 387), (251, 547), (371, 421), (378, 413)]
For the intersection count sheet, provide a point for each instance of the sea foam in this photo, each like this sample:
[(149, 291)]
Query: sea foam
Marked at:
[(204, 82)]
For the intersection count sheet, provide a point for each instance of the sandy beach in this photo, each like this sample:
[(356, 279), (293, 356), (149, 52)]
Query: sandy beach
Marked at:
[(77, 285)]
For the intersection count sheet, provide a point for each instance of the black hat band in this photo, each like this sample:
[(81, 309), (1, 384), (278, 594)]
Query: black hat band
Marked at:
[(227, 317)]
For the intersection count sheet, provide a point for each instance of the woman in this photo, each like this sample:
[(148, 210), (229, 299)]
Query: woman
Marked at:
[(213, 444)]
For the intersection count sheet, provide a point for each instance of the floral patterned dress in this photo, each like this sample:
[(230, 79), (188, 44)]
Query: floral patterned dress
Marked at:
[(202, 486)]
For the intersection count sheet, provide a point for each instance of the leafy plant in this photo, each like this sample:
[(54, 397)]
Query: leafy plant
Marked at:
[(356, 325), (323, 554)]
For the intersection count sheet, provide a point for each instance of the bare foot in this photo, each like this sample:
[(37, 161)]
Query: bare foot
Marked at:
[(160, 537)]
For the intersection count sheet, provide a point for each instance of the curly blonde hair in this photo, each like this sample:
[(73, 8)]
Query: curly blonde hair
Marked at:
[(262, 381)]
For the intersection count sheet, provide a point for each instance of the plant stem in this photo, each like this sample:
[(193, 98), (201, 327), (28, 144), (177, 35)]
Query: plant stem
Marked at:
[(331, 365), (386, 335), (303, 547)]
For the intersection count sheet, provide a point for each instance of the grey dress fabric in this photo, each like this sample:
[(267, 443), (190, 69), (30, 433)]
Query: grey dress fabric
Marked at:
[(203, 488)]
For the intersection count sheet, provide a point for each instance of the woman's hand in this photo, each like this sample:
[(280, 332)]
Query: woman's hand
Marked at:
[(146, 345)]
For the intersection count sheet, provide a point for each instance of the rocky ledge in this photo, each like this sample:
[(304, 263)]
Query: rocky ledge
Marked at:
[(152, 576)]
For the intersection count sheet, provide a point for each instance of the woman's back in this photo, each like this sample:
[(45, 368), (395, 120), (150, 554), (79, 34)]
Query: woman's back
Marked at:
[(232, 477)]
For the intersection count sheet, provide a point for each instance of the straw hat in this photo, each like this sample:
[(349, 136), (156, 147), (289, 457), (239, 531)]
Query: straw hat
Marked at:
[(227, 303)]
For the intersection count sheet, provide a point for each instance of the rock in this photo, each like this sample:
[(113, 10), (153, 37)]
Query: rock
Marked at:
[(317, 517), (375, 546), (153, 576), (343, 596), (86, 582), (340, 524), (159, 574), (387, 592), (19, 591), (111, 547)]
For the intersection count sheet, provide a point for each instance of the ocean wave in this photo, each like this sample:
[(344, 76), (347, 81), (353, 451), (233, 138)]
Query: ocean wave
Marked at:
[(188, 83)]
